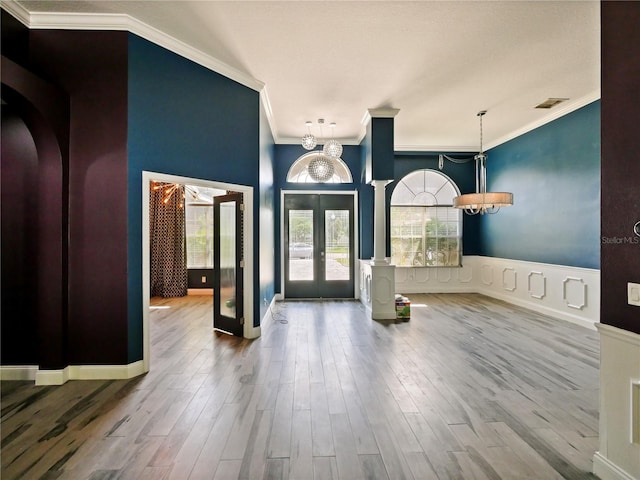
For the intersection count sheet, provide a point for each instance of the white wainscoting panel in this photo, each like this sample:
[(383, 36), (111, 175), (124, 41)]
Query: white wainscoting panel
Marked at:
[(537, 284), (618, 457), (569, 293), (377, 289), (509, 279)]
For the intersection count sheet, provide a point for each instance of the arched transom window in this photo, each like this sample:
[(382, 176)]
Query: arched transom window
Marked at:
[(425, 228), (314, 167)]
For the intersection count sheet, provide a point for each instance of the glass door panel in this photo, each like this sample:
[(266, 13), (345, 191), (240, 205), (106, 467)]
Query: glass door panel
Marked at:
[(301, 251), (337, 249), (227, 265)]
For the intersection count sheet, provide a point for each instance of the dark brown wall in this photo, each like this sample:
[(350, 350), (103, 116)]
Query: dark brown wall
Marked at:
[(620, 251), (92, 68), (19, 164), (44, 110)]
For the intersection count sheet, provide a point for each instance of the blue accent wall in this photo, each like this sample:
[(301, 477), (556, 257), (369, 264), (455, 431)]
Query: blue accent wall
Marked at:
[(183, 120), (285, 156), (265, 261), (554, 174)]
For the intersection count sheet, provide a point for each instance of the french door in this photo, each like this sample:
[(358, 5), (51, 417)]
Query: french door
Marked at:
[(318, 246), (228, 311)]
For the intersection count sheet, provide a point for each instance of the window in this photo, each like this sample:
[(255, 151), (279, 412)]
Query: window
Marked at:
[(199, 225), (299, 171), (425, 228)]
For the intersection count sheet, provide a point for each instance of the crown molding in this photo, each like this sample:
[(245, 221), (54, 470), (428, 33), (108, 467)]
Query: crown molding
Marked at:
[(121, 22), (434, 148), (266, 104), (296, 141), (17, 10), (553, 115), (378, 113)]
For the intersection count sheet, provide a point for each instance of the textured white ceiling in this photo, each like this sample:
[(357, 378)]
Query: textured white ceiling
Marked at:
[(438, 62)]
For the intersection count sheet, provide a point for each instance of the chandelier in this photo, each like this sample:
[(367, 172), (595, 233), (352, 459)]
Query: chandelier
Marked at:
[(321, 168), (168, 189), (309, 141), (482, 201)]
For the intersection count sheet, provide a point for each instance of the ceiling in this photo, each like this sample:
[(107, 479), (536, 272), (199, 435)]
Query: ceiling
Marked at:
[(438, 62)]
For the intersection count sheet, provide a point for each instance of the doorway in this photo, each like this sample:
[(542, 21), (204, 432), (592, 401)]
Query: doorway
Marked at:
[(319, 246), (246, 273)]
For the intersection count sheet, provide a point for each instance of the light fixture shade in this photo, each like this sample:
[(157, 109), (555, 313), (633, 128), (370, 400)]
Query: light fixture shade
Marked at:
[(483, 202), (309, 141), (321, 169), (332, 148)]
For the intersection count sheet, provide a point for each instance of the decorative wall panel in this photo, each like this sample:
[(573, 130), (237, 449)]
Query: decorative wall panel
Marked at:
[(537, 283), (509, 279), (574, 292)]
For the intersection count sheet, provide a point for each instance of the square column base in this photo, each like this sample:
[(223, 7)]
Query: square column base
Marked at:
[(378, 285)]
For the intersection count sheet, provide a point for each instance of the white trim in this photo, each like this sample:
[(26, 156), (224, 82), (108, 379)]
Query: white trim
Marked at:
[(18, 11), (18, 372), (378, 113), (436, 148), (356, 252), (475, 270), (88, 372), (249, 330), (618, 334), (122, 22), (618, 457), (266, 104), (553, 114), (52, 377), (604, 469)]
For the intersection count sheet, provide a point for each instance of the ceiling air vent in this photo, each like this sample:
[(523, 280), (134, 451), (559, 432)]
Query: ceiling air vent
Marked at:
[(551, 102)]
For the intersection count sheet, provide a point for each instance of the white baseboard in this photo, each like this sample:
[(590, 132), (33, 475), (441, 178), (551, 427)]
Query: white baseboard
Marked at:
[(605, 470), (89, 372), (52, 377), (18, 372)]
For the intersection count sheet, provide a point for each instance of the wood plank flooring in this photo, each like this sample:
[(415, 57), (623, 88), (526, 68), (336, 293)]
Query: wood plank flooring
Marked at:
[(469, 388)]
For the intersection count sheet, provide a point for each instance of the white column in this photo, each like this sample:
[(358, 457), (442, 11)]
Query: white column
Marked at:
[(379, 224)]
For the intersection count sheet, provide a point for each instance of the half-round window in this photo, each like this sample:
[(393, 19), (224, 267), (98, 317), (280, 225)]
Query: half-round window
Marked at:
[(425, 228), (315, 167)]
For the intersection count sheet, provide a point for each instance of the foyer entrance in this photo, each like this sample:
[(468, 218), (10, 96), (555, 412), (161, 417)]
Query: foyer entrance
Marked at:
[(319, 245)]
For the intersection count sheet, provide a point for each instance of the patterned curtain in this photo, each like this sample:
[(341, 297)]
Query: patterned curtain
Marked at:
[(168, 252)]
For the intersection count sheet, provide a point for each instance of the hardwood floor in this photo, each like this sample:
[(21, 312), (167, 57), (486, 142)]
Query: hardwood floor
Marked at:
[(469, 388)]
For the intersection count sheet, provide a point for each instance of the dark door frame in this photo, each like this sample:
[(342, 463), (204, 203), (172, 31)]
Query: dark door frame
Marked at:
[(233, 325), (356, 236)]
